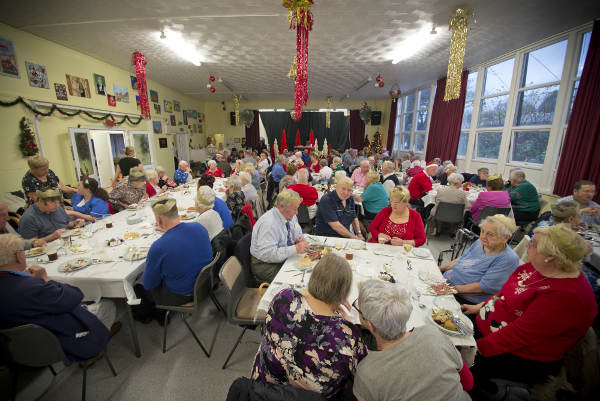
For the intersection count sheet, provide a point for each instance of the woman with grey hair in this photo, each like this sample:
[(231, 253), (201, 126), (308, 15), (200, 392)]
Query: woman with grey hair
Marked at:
[(235, 197), (417, 364), (309, 341), (453, 193), (209, 218), (523, 197), (163, 179), (247, 187)]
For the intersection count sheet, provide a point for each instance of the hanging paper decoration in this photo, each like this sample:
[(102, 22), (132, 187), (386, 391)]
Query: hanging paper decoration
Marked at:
[(283, 142), (293, 69), (275, 149), (236, 109), (298, 141), (324, 149), (139, 61), (328, 113), (300, 18), (458, 27), (311, 138), (365, 113)]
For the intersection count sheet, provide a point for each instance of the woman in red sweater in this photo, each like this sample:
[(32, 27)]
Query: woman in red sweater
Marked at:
[(545, 306), (398, 224), (213, 169), (314, 165)]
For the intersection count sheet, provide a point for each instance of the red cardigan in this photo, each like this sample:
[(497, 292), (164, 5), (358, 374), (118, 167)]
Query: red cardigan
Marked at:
[(315, 167), (414, 230), (419, 185), (218, 173), (308, 194), (150, 190), (539, 321)]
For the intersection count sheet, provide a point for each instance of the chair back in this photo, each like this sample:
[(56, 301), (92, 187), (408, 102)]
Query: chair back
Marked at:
[(247, 210), (233, 279), (521, 248), (464, 239), (450, 212), (242, 253), (488, 211), (32, 345), (303, 218), (202, 285)]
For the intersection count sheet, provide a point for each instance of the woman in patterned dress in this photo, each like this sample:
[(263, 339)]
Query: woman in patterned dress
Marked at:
[(398, 224), (309, 341), (131, 189), (41, 177), (235, 197)]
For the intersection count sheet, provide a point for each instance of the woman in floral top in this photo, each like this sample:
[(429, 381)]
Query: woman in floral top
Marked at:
[(309, 341), (131, 189), (40, 177), (235, 197)]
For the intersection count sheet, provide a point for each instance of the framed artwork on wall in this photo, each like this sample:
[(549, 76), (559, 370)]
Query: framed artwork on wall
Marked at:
[(111, 100), (100, 84), (78, 86), (157, 108), (176, 106), (121, 93), (157, 127), (133, 82), (173, 121), (153, 96), (8, 58), (38, 77), (168, 106), (61, 91), (162, 143)]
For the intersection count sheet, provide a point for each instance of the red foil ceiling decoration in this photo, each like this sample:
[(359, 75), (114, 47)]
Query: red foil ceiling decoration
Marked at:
[(301, 19), (140, 72)]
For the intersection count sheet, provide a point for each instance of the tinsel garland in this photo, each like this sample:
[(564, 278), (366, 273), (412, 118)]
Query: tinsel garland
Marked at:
[(236, 109), (328, 113), (140, 72), (458, 27), (54, 108)]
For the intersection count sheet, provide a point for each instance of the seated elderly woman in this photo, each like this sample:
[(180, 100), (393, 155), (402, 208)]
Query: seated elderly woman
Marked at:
[(337, 212), (374, 198), (417, 364), (220, 205), (523, 197), (40, 176), (208, 217), (223, 164), (389, 179), (163, 179), (524, 331), (254, 175), (452, 193), (449, 169), (567, 212), (398, 224), (130, 190), (289, 177), (484, 268), (152, 184), (213, 169), (308, 341), (308, 193), (495, 196), (235, 197), (46, 219), (247, 187), (90, 202), (481, 177), (336, 164), (325, 172), (183, 174)]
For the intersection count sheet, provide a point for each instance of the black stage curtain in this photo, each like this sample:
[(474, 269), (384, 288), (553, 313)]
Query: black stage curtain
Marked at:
[(276, 121)]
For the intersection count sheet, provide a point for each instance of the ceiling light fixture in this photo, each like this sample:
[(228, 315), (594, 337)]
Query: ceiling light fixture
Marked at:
[(412, 44), (183, 48), (433, 31)]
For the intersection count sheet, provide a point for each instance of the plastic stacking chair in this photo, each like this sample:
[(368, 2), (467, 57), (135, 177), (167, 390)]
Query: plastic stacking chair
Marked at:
[(202, 289), (242, 308), (487, 211), (34, 346), (451, 213)]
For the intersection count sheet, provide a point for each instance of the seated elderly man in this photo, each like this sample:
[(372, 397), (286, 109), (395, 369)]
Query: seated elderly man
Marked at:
[(247, 187), (484, 268), (523, 197), (583, 193), (46, 219), (308, 193), (208, 217), (421, 184), (28, 296), (337, 212), (276, 236), (359, 175), (173, 262), (389, 179), (183, 174), (413, 365), (6, 228), (481, 177)]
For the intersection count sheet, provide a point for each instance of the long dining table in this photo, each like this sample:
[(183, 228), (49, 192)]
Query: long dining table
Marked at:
[(369, 261)]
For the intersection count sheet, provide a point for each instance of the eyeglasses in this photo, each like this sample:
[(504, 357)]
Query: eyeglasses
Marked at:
[(356, 307)]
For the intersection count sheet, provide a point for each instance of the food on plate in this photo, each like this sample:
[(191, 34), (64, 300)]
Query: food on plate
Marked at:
[(385, 276), (191, 209), (314, 255), (187, 216), (338, 247), (326, 250), (442, 289), (305, 262), (74, 265), (131, 235), (443, 317), (76, 232), (35, 252), (114, 241), (133, 206), (180, 208), (78, 249), (136, 253), (407, 247)]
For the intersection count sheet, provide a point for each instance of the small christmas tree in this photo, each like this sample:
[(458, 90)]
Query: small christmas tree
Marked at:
[(27, 139), (376, 143)]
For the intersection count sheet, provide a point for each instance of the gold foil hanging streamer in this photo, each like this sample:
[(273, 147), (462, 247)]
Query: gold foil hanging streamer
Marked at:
[(236, 108), (293, 69), (328, 113), (458, 27)]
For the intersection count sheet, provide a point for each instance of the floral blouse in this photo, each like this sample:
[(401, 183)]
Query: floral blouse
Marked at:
[(31, 184), (125, 193), (235, 203), (309, 351)]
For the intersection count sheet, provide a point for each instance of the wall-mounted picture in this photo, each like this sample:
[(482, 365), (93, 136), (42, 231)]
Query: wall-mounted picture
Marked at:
[(100, 84), (8, 58), (157, 127), (111, 100), (133, 82), (162, 143), (173, 121), (157, 108), (194, 114), (61, 91), (153, 96), (168, 106), (137, 102), (38, 77), (121, 93), (78, 86), (176, 106)]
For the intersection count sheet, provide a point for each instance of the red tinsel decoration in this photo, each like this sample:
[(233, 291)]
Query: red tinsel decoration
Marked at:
[(140, 72)]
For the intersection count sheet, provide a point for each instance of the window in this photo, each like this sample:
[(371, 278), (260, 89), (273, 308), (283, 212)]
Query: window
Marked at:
[(424, 97), (462, 145), (496, 84), (497, 78), (408, 122), (492, 112), (419, 146), (488, 145), (405, 145), (529, 146), (413, 112), (585, 45), (409, 107), (543, 65), (536, 106), (467, 115), (573, 95)]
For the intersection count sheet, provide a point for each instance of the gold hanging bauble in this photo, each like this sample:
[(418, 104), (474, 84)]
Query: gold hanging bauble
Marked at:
[(458, 28)]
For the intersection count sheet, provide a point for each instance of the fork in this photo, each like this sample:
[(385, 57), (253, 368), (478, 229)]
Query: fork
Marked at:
[(408, 264)]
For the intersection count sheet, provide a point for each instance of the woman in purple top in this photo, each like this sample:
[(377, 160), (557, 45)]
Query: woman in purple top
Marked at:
[(309, 341), (495, 196)]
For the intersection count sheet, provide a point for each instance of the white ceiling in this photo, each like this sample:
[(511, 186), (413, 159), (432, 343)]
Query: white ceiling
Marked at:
[(250, 46)]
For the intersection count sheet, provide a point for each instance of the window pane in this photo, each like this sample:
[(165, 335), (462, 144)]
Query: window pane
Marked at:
[(530, 146), (462, 145), (488, 145), (585, 45), (421, 120), (398, 124), (492, 111), (396, 143), (409, 102), (543, 65), (405, 142), (408, 122), (497, 77), (419, 145), (575, 87), (424, 96), (536, 106), (471, 82), (467, 115)]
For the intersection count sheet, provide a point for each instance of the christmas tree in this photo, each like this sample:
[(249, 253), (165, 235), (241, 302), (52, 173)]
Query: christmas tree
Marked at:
[(376, 143), (27, 139)]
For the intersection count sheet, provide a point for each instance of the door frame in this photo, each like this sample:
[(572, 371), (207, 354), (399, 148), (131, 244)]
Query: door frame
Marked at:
[(130, 134), (75, 153)]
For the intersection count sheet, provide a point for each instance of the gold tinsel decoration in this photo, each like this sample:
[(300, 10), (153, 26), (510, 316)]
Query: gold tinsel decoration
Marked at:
[(236, 108), (328, 113), (458, 27), (293, 68)]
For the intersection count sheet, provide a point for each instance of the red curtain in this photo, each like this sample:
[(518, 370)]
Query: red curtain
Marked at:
[(253, 132), (392, 126), (446, 119), (579, 158), (357, 130)]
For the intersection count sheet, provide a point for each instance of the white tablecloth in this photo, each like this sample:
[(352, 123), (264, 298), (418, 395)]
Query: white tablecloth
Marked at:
[(367, 264)]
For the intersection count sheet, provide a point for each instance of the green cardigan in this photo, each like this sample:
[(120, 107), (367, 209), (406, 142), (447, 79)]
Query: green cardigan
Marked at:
[(524, 197)]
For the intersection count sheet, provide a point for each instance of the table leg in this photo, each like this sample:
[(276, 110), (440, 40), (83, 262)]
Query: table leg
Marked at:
[(133, 332)]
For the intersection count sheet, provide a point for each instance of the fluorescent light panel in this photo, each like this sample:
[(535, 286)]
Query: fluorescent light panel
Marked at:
[(179, 45), (413, 43)]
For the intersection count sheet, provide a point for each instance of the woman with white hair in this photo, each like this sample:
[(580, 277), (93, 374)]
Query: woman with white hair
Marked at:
[(235, 197), (152, 186), (308, 193), (163, 179), (417, 364), (453, 193), (208, 217), (247, 187), (213, 169), (325, 171), (449, 169)]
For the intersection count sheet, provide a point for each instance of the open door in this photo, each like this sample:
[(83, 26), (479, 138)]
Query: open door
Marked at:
[(142, 143), (83, 153), (183, 146)]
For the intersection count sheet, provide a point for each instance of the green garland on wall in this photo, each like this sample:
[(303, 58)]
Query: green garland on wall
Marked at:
[(54, 108)]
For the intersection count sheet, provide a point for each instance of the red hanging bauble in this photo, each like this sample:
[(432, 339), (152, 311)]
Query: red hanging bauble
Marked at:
[(381, 84), (212, 78), (378, 79), (212, 90), (391, 93)]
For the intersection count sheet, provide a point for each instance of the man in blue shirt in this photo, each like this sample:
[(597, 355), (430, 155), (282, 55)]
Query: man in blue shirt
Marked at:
[(183, 174), (173, 262), (484, 268), (337, 211), (583, 193)]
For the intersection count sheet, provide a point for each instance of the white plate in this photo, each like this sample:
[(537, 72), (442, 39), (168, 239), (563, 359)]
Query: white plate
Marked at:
[(420, 253), (136, 253), (188, 215), (74, 265), (33, 252), (466, 321)]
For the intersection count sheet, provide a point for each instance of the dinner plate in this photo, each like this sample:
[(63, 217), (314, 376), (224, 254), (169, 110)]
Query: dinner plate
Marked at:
[(79, 249), (188, 215), (420, 253), (134, 253), (33, 252), (131, 235), (74, 265), (133, 206), (457, 333)]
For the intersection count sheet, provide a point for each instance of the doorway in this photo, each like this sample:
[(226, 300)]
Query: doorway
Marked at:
[(109, 148)]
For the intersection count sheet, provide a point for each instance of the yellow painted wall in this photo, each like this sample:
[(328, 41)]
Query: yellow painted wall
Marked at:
[(59, 61)]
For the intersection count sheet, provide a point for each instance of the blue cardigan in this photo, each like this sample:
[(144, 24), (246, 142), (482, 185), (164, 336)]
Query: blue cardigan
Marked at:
[(95, 207)]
